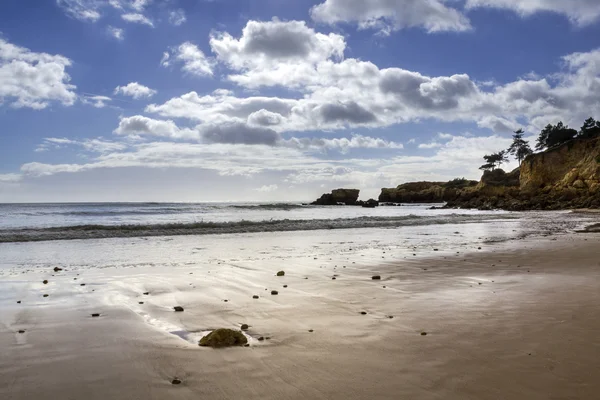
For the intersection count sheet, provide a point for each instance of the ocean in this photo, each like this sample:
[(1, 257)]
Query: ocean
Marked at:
[(40, 222)]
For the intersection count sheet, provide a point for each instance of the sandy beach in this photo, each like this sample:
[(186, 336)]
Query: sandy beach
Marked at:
[(514, 320)]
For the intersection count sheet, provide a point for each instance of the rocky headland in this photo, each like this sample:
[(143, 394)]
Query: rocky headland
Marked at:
[(564, 177)]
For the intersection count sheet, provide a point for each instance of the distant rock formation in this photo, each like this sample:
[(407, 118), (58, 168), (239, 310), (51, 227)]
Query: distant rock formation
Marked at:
[(425, 192), (347, 197)]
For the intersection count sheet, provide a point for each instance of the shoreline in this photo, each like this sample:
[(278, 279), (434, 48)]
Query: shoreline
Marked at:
[(513, 320)]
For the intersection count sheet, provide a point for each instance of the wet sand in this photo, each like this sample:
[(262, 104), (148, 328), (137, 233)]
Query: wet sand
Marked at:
[(518, 320)]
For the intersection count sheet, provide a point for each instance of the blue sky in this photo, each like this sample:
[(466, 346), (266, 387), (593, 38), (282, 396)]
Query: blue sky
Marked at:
[(192, 100)]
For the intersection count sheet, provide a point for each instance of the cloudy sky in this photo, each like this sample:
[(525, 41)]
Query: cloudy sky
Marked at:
[(197, 100)]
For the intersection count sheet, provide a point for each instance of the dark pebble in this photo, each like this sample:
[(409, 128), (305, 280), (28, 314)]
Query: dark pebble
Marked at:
[(18, 301), (363, 313), (95, 315), (390, 316), (376, 277), (423, 333), (284, 286), (45, 282), (176, 381), (56, 269), (178, 309), (244, 327), (45, 295), (255, 297), (141, 302), (146, 293), (274, 292), (281, 273), (311, 331), (225, 301), (260, 339), (333, 279), (83, 284)]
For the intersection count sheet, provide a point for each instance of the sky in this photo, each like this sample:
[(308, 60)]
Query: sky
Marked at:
[(268, 100)]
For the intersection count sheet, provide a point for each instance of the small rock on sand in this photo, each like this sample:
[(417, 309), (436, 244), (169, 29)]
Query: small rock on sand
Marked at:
[(363, 313), (311, 331), (244, 327), (141, 302), (56, 269), (333, 278), (223, 338), (376, 277), (284, 286), (176, 381), (260, 339), (18, 301), (95, 315), (274, 292), (255, 297), (423, 333), (83, 284), (45, 295), (45, 282), (146, 293), (281, 273), (178, 309)]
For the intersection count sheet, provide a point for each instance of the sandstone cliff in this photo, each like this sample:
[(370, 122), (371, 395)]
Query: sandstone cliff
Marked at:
[(565, 177), (426, 192)]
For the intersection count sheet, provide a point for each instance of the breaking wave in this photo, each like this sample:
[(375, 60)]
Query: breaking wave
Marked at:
[(244, 226)]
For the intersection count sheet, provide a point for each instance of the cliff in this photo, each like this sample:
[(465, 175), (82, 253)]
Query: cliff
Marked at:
[(564, 177), (426, 192)]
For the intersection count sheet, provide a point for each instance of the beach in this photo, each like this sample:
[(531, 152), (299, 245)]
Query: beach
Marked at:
[(514, 319)]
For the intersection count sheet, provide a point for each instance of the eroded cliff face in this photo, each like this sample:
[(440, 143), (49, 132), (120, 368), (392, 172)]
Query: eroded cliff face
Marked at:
[(573, 166), (566, 177)]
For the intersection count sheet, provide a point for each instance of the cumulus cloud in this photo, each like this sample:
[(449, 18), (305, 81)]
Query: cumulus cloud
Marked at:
[(193, 59), (239, 133), (135, 90), (391, 15), (137, 18), (177, 17), (341, 144), (580, 12), (33, 80), (116, 33), (143, 126)]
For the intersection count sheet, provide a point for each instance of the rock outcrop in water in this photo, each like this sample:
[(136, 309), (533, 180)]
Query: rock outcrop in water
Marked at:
[(347, 197), (565, 177)]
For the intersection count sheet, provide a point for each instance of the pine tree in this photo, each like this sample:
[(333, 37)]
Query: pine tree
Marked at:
[(519, 147)]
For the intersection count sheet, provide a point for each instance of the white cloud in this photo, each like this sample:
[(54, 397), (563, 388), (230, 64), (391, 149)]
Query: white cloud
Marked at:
[(430, 145), (391, 15), (342, 145), (8, 178), (142, 126), (580, 12), (267, 188), (83, 10), (98, 145), (95, 100), (135, 90), (33, 80), (193, 59), (137, 19), (177, 17), (117, 33)]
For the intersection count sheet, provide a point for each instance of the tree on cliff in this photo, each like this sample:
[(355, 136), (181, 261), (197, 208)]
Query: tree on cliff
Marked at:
[(590, 129), (494, 160), (519, 147), (554, 135)]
